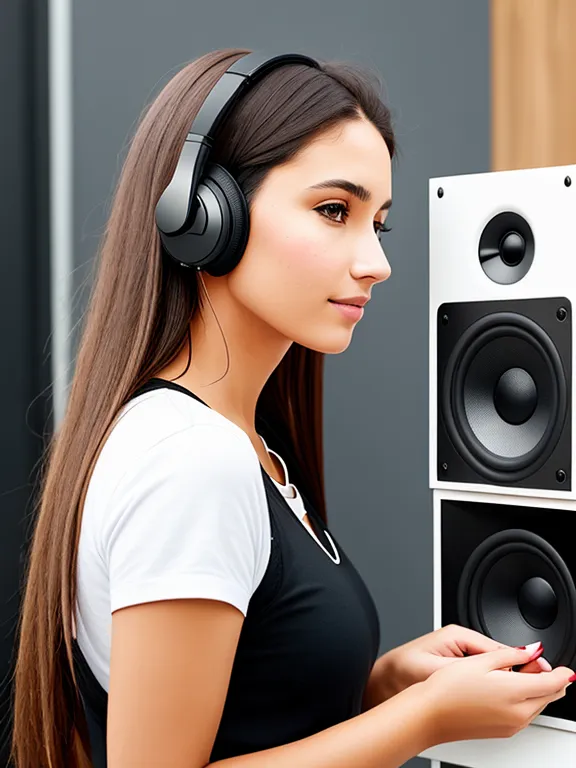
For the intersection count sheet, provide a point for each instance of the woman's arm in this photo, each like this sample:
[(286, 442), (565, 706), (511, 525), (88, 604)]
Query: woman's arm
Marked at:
[(385, 737), (170, 669), (379, 687)]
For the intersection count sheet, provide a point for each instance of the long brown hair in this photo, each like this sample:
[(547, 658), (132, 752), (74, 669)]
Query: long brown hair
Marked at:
[(137, 320)]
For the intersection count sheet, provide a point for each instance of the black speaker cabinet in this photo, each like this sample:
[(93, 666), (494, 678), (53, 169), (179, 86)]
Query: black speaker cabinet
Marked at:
[(509, 572), (505, 566), (504, 393)]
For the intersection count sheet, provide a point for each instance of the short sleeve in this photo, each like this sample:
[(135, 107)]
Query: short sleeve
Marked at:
[(189, 519)]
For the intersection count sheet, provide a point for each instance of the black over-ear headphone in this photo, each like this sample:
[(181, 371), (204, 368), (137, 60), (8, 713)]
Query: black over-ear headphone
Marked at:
[(202, 216)]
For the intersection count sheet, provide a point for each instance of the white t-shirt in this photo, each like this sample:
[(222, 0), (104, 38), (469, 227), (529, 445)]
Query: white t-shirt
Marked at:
[(176, 508)]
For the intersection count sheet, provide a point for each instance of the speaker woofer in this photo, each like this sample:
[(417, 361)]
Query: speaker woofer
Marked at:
[(508, 571), (504, 396), (515, 587)]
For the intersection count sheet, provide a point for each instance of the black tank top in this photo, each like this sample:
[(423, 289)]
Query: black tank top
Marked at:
[(308, 642)]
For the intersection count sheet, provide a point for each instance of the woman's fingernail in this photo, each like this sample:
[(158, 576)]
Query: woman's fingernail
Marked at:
[(544, 665), (533, 646), (572, 679), (520, 647), (536, 655), (536, 649)]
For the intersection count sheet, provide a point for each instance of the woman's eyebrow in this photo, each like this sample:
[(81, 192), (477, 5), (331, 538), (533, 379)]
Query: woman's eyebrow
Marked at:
[(363, 194)]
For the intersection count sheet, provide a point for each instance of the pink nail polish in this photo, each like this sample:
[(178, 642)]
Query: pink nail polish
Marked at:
[(572, 679), (544, 665), (536, 653)]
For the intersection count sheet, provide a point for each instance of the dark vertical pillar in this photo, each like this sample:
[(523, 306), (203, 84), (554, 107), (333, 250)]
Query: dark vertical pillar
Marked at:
[(25, 403)]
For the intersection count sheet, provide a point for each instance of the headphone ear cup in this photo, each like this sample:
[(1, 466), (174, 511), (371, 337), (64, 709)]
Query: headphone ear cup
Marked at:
[(235, 222), (217, 236)]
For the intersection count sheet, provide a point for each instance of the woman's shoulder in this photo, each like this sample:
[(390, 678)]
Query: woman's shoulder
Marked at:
[(176, 508), (167, 435)]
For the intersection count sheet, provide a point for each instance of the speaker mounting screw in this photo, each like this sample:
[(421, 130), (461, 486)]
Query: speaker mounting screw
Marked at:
[(444, 467), (561, 314), (444, 319), (560, 475), (567, 181), (440, 192)]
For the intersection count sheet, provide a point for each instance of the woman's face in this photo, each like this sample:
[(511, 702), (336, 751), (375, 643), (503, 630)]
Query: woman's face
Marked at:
[(309, 247)]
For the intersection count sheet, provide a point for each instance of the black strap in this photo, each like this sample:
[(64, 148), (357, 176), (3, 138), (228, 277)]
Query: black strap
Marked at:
[(95, 701), (157, 383)]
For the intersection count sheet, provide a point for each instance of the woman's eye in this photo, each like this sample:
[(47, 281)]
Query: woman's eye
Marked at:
[(333, 208), (340, 209), (381, 228)]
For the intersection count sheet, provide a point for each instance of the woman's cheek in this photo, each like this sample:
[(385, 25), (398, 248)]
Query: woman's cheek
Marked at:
[(284, 264), (304, 261)]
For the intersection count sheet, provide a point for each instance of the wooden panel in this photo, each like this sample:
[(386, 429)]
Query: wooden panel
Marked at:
[(533, 83)]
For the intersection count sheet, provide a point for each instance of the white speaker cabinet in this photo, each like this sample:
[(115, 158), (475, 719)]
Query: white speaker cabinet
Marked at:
[(502, 265)]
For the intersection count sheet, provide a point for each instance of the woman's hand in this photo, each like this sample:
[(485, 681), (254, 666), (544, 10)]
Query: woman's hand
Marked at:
[(416, 660)]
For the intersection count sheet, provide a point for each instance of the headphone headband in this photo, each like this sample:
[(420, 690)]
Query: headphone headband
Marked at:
[(175, 210)]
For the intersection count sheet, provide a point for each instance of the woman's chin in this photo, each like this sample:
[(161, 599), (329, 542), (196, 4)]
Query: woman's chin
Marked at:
[(329, 343)]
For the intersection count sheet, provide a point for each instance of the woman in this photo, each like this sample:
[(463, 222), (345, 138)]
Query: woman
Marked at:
[(185, 602)]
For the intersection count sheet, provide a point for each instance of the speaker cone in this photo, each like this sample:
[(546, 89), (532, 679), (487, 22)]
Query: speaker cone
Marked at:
[(516, 589)]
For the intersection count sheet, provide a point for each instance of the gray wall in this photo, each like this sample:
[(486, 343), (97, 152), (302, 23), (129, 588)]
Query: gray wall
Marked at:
[(434, 58)]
